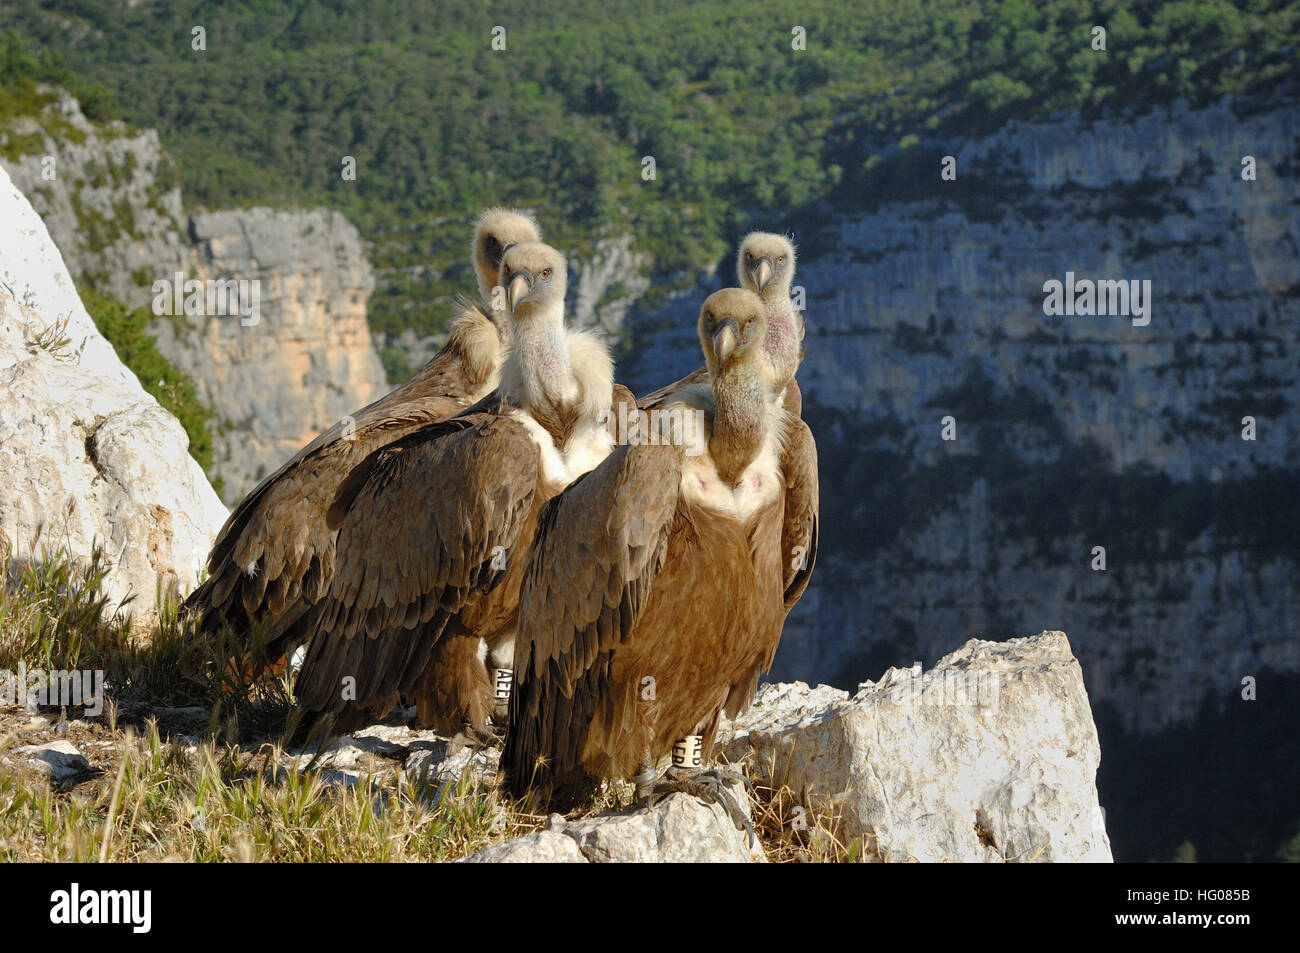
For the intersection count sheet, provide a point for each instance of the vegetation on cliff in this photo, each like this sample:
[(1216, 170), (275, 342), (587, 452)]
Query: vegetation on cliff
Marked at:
[(125, 330), (736, 118)]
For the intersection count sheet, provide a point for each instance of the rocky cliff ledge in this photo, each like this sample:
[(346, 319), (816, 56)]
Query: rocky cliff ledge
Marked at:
[(991, 757)]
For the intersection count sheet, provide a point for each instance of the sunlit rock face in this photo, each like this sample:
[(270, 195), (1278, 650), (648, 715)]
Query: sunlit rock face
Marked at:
[(88, 459), (303, 361)]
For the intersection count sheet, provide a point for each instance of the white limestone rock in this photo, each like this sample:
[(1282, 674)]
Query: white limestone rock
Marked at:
[(60, 760), (86, 455), (679, 829), (990, 756), (543, 847)]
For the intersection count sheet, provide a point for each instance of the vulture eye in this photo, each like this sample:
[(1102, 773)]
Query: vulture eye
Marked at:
[(546, 272), (780, 260)]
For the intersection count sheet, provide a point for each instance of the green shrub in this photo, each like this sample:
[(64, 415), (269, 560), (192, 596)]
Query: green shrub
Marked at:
[(126, 331)]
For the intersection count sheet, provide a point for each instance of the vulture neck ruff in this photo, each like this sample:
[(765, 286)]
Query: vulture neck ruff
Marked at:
[(783, 340), (480, 341), (558, 383), (759, 482)]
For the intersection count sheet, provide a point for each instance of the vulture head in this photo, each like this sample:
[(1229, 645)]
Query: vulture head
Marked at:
[(535, 278), (765, 263), (732, 328), (495, 232)]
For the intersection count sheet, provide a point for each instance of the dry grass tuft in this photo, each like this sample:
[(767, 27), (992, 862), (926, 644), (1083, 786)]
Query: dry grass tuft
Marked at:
[(219, 802)]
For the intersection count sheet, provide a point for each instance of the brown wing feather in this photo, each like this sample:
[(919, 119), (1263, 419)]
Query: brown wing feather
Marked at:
[(418, 533), (802, 501), (274, 556), (792, 400), (698, 376), (711, 627), (598, 548)]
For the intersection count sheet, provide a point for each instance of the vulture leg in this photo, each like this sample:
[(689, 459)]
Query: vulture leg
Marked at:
[(646, 777), (707, 784), (472, 737), (453, 694)]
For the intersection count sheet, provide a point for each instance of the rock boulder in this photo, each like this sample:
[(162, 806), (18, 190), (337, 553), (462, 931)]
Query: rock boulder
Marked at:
[(86, 455), (989, 756)]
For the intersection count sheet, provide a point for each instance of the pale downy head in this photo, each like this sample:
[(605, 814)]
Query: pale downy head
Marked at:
[(732, 327), (765, 263), (496, 231), (535, 279)]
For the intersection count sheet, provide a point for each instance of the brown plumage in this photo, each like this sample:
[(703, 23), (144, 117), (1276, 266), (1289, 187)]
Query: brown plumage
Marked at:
[(655, 590), (432, 529), (765, 263), (275, 556)]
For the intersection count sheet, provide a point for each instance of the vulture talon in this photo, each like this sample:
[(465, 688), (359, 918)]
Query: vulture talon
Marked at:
[(709, 785), (476, 739), (645, 787)]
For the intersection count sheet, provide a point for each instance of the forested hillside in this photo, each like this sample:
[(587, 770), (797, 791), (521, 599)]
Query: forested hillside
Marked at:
[(740, 124)]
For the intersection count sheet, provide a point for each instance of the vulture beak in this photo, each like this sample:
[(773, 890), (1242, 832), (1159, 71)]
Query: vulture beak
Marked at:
[(761, 273), (521, 282), (725, 338)]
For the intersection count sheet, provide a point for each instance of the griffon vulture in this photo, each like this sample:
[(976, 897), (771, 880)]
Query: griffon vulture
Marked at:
[(655, 590), (275, 555), (765, 264), (433, 528)]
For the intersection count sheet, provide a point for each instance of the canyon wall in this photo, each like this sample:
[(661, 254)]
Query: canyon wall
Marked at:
[(1070, 432), (274, 383)]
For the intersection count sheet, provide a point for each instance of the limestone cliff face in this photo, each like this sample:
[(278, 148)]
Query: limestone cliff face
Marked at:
[(607, 281), (274, 384), (1071, 432), (107, 194), (308, 359)]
